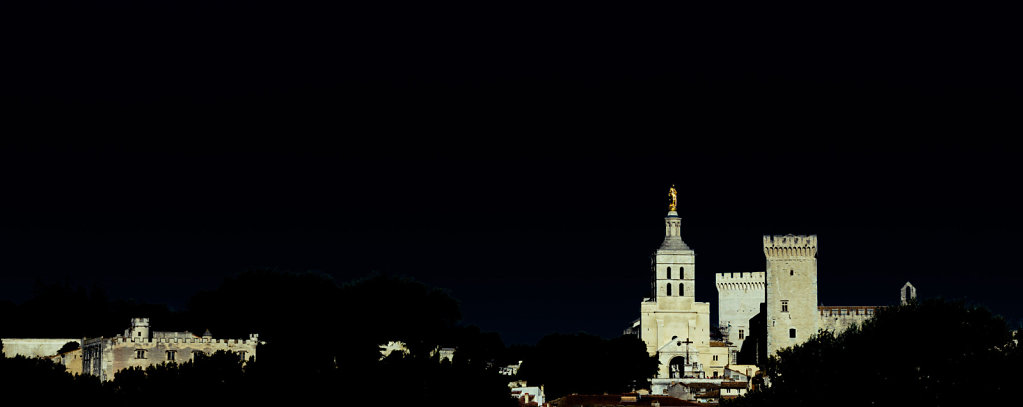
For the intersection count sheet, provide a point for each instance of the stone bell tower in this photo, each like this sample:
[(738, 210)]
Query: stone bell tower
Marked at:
[(673, 325)]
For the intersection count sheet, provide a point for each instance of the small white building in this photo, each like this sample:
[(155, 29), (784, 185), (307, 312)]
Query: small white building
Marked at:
[(528, 395)]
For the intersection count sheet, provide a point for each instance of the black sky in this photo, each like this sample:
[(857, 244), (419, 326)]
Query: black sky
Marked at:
[(518, 156)]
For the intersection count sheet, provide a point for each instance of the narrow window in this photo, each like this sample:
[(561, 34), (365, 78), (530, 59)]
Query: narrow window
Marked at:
[(669, 289), (792, 332), (681, 290), (139, 334), (241, 355), (792, 272), (784, 305), (669, 273), (140, 354), (682, 272), (742, 334), (715, 359), (170, 355)]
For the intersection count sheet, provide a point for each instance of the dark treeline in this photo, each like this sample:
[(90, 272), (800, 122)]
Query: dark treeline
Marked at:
[(929, 353), (322, 341), (64, 311)]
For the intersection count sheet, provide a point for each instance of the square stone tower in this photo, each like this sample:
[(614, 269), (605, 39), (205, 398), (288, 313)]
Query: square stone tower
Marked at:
[(674, 326), (791, 303)]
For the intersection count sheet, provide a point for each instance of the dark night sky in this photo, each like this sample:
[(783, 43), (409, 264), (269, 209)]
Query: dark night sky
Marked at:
[(518, 156)]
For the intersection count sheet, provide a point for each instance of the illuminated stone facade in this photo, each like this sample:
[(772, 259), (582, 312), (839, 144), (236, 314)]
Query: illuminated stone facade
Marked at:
[(739, 299), (675, 327), (771, 309), (137, 347), (792, 315)]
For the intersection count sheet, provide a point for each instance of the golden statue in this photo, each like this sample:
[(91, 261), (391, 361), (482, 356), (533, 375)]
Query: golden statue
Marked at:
[(674, 198)]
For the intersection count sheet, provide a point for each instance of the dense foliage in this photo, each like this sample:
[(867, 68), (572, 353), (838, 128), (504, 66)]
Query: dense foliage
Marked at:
[(933, 353), (323, 343), (587, 364)]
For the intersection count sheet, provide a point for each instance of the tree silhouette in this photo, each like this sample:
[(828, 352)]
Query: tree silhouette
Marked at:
[(924, 353), (587, 364), (68, 347)]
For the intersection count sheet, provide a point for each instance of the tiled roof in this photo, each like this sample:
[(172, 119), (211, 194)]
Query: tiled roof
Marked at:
[(710, 394), (700, 385)]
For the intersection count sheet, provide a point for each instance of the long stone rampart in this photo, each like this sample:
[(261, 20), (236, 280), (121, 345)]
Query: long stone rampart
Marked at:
[(35, 347)]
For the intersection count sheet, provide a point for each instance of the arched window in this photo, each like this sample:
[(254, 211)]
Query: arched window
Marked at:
[(669, 289), (681, 290), (682, 272), (669, 273)]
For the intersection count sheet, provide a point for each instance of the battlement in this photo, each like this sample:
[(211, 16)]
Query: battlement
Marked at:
[(136, 341), (790, 245), (740, 277), (847, 310), (142, 325), (740, 281), (743, 281)]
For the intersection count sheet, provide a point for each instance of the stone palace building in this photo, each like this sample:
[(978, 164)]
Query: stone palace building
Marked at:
[(759, 312), (137, 347)]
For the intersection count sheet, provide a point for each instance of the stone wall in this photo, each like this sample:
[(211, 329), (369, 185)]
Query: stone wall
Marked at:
[(72, 361), (105, 356), (35, 347), (839, 318), (739, 298)]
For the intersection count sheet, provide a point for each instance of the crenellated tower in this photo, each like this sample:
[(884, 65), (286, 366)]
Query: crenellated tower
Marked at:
[(791, 285)]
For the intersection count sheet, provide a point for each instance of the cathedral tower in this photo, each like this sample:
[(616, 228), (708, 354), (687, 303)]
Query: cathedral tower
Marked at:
[(674, 263), (673, 325), (791, 303)]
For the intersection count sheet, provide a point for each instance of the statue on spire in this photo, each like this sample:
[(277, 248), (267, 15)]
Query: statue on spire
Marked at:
[(674, 198)]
